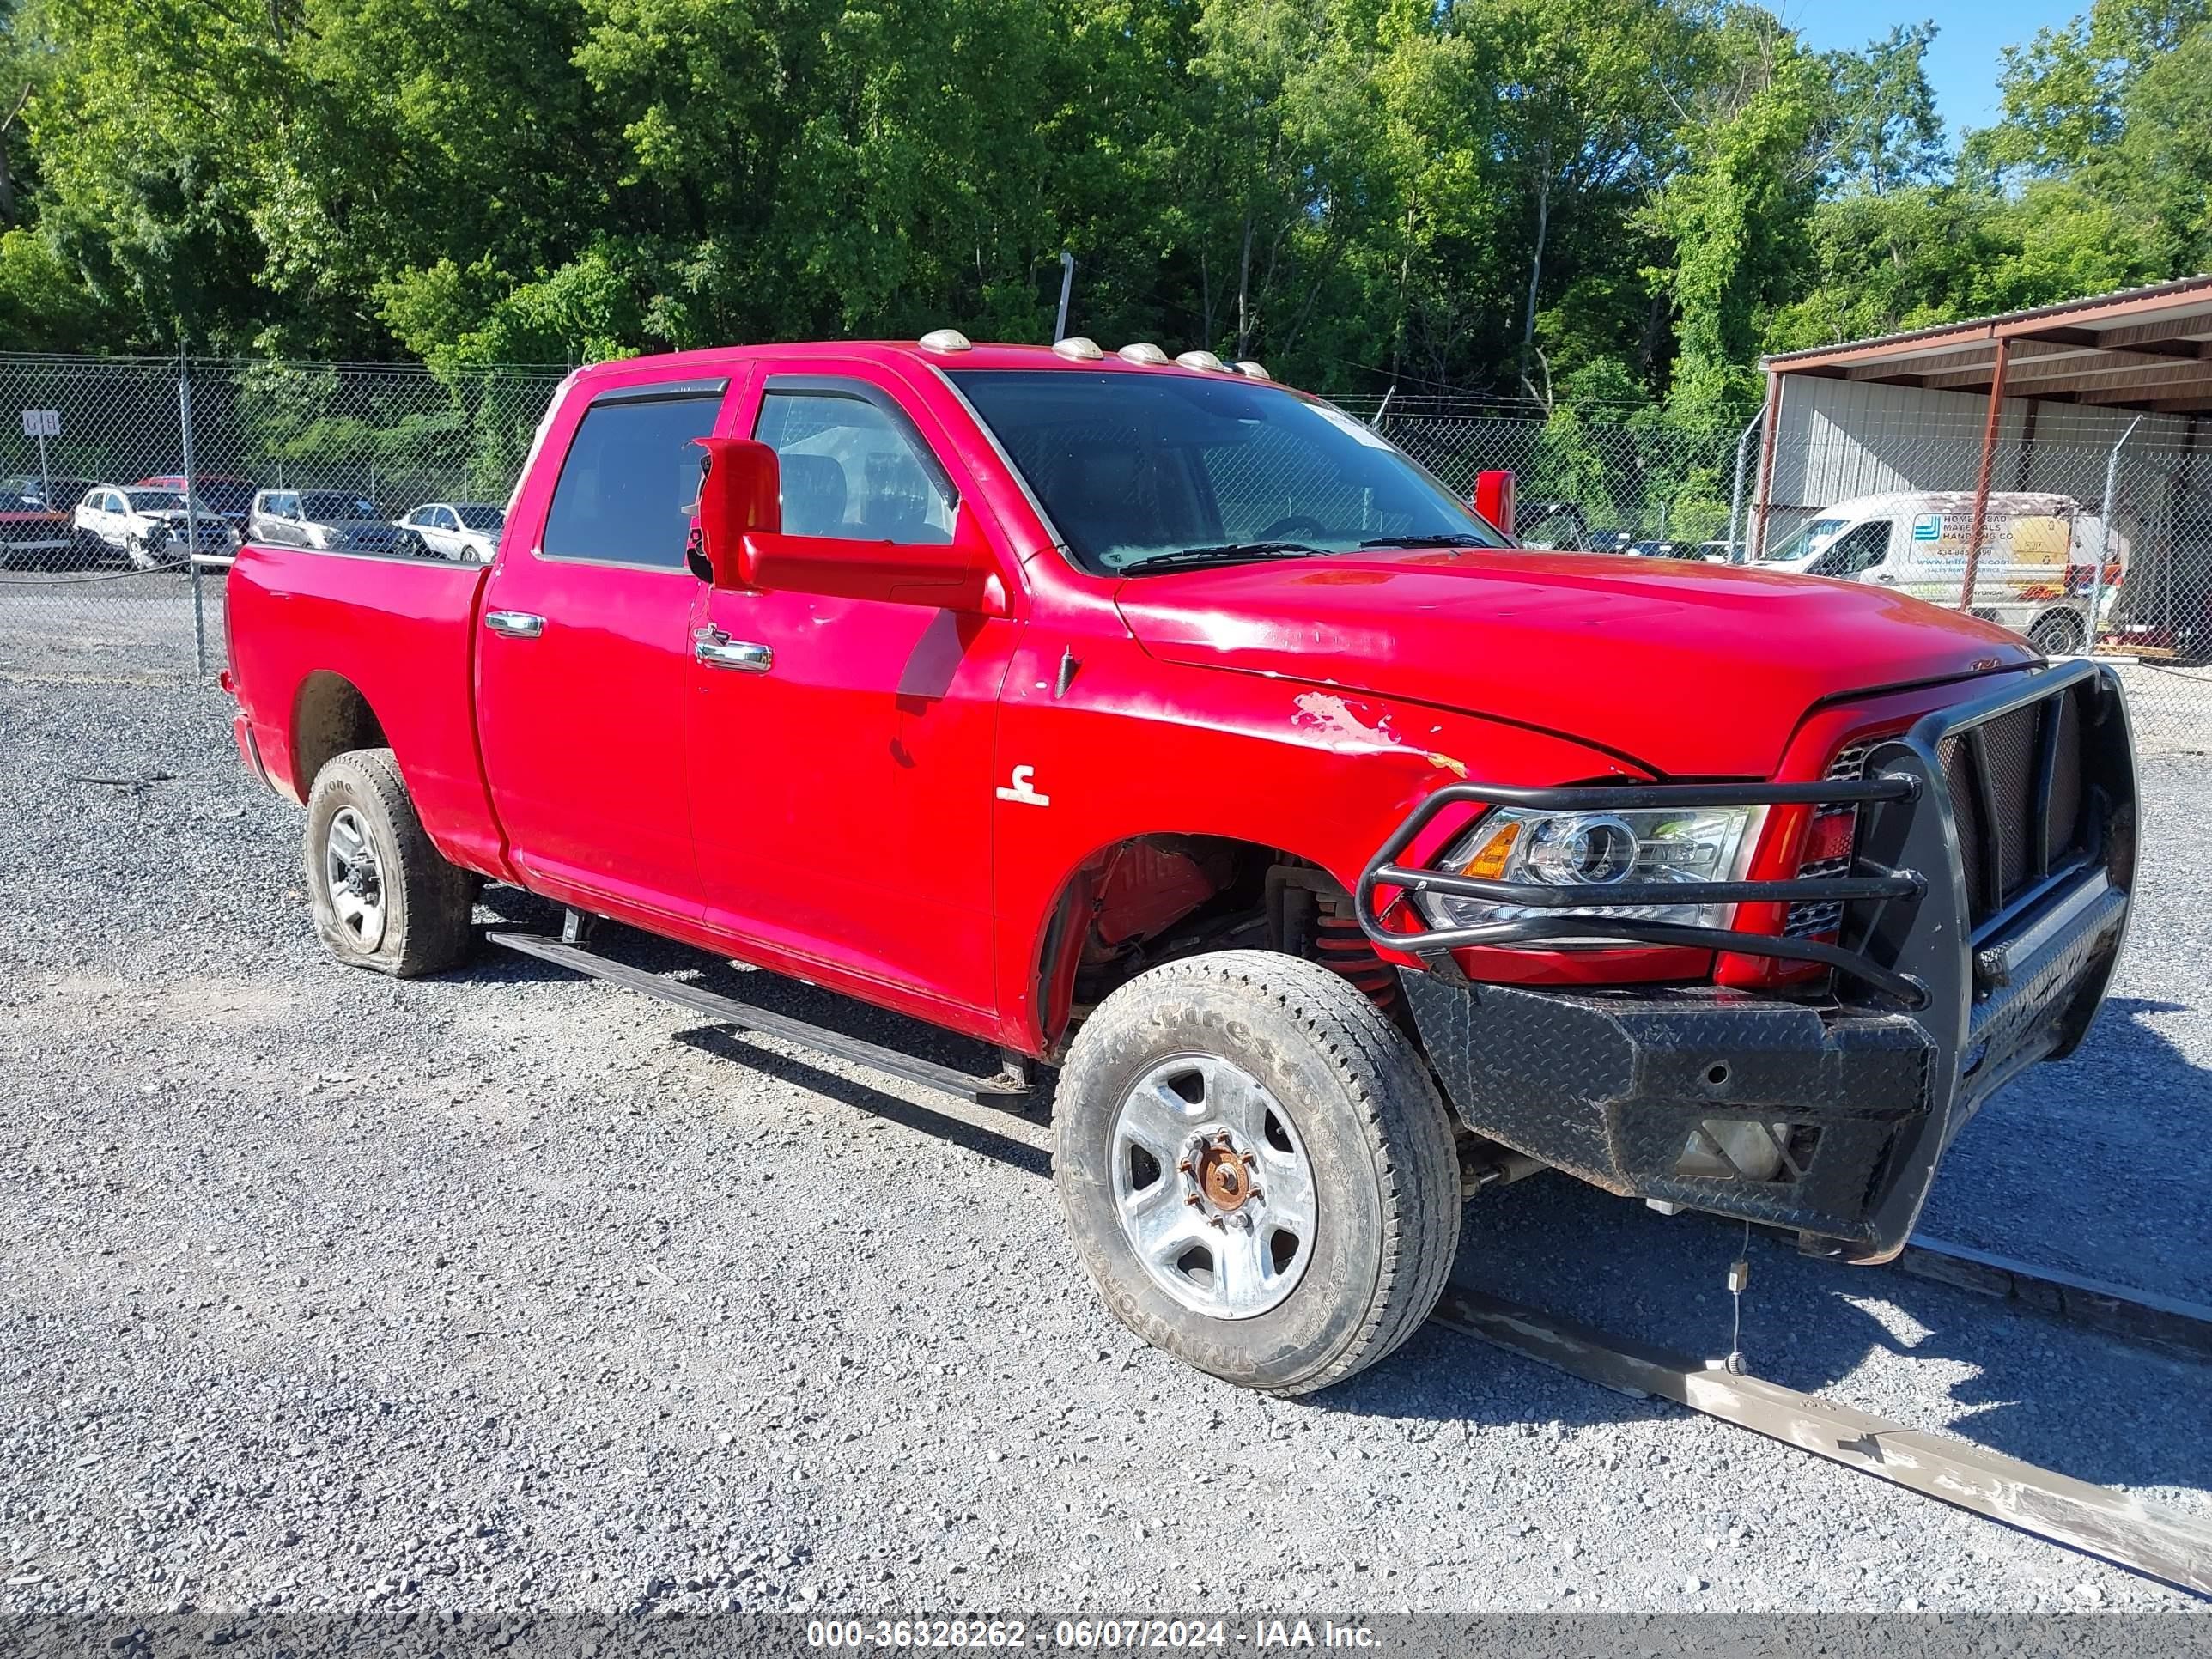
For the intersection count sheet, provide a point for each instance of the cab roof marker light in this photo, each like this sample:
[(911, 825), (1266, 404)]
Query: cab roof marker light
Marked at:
[(1251, 370), (1142, 351), (1199, 359), (946, 339), (1078, 349)]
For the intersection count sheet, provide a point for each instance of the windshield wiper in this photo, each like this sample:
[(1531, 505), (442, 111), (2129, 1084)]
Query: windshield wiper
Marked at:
[(1227, 553), (1456, 539)]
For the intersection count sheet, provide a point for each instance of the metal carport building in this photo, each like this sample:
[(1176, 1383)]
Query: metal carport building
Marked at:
[(2103, 400)]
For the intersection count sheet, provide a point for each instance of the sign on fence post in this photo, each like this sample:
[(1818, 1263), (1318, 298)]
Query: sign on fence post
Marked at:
[(42, 424)]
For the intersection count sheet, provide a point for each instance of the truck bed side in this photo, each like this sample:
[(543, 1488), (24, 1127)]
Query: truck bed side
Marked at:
[(333, 651)]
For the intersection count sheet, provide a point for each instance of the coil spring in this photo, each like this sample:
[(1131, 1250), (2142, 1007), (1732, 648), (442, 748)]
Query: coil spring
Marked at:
[(1340, 944)]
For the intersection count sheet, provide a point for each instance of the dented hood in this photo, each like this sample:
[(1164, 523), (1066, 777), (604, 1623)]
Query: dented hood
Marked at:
[(1691, 669)]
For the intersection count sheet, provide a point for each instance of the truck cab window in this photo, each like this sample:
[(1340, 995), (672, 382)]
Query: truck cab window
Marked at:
[(629, 483), (853, 471)]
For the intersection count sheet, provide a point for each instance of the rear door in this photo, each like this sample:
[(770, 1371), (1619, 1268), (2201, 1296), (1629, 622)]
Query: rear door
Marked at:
[(842, 780), (584, 648)]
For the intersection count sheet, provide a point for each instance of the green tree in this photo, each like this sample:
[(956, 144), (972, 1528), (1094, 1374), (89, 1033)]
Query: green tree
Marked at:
[(1735, 208)]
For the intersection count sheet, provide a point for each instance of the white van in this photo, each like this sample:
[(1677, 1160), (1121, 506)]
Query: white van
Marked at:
[(2038, 556)]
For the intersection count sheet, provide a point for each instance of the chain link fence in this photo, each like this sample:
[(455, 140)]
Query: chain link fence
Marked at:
[(2105, 547), (2081, 544), (98, 575)]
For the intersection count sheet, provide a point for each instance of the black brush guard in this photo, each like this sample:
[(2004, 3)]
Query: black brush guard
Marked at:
[(1862, 1087)]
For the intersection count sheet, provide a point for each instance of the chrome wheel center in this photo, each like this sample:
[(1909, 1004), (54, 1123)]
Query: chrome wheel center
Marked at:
[(354, 878), (1213, 1187)]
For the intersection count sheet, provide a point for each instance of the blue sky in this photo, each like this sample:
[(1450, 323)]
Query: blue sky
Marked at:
[(1962, 64)]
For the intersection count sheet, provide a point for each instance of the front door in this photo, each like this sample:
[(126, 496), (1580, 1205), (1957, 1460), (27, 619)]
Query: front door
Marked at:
[(584, 651), (843, 769)]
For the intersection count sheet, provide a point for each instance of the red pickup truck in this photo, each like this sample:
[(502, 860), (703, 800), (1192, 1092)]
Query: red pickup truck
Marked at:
[(1165, 726)]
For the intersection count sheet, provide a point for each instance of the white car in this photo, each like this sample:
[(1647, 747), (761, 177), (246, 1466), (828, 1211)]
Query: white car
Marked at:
[(468, 531), (144, 525)]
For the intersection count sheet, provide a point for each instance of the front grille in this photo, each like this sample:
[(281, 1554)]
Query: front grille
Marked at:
[(1815, 920), (2064, 830), (2015, 828)]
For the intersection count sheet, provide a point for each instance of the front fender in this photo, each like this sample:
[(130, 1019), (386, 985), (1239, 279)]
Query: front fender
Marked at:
[(1129, 745)]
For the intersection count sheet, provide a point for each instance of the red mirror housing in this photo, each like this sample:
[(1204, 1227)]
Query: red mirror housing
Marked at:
[(737, 498), (1493, 499)]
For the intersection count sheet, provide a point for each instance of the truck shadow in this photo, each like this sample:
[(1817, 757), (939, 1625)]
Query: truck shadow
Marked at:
[(796, 1000), (2099, 1163), (717, 1041), (1926, 1355), (2001, 1376)]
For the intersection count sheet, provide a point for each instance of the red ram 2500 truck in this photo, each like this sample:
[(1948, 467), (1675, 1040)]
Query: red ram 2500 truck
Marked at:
[(1165, 725)]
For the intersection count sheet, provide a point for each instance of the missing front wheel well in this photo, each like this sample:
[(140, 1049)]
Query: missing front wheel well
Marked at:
[(1153, 898)]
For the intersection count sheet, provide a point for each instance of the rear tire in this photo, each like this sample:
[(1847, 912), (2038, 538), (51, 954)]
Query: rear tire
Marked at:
[(384, 896), (2060, 634), (1312, 1232)]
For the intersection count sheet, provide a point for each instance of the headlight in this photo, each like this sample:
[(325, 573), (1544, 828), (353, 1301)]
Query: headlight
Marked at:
[(1594, 850)]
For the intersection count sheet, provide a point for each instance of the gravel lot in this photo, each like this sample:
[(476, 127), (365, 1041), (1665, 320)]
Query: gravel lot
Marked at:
[(510, 1290), (105, 622)]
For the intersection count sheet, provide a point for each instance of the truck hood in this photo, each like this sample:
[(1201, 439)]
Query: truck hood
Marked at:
[(1690, 669)]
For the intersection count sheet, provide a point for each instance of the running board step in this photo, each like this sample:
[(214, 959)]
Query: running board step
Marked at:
[(999, 1091)]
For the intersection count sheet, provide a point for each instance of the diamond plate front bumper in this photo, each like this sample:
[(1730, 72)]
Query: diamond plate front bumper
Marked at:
[(1862, 1092)]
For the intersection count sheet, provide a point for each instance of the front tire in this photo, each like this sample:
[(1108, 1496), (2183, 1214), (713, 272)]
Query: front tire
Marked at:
[(384, 896), (1257, 1170), (144, 553)]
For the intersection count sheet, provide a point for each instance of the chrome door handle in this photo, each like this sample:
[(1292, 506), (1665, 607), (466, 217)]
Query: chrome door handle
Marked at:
[(718, 650), (514, 624)]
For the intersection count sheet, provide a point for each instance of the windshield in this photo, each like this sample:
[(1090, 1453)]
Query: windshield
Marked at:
[(1808, 538), (326, 506), (155, 501), (1133, 467), (481, 518)]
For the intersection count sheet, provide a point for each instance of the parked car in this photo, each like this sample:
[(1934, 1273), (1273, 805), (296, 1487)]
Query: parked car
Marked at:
[(330, 520), (458, 529), (1649, 548), (37, 493), (2038, 565), (1720, 552), (1341, 858), (31, 538), (1552, 526), (231, 498), (145, 528)]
